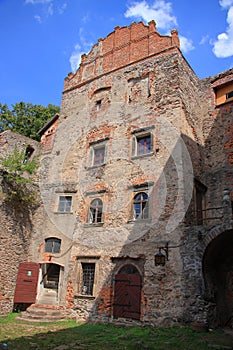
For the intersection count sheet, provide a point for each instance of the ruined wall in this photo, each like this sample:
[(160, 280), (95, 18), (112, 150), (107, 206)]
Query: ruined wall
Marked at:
[(15, 227)]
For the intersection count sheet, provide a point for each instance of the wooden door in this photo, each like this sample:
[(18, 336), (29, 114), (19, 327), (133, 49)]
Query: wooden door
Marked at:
[(26, 283), (127, 295)]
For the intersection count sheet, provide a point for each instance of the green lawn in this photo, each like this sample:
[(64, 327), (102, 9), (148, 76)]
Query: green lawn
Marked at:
[(70, 335)]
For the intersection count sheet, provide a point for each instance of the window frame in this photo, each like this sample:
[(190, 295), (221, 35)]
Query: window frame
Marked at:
[(229, 95), (59, 207), (54, 241), (95, 151), (199, 202), (89, 279), (95, 147), (143, 206), (137, 136), (78, 287), (93, 220)]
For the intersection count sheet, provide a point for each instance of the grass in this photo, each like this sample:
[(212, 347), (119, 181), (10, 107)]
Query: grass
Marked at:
[(69, 335)]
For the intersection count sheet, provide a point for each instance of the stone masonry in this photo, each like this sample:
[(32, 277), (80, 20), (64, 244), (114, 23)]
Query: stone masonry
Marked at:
[(139, 163), (15, 227)]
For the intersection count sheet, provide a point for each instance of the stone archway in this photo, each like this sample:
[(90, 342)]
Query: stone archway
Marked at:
[(218, 277)]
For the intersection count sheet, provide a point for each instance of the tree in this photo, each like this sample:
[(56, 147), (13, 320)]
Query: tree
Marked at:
[(25, 118), (17, 173)]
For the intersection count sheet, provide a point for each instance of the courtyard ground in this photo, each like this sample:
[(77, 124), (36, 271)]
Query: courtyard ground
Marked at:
[(69, 335)]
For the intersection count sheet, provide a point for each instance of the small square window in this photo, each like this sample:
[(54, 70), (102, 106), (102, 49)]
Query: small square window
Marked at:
[(65, 204), (229, 94), (98, 155), (143, 144), (98, 104)]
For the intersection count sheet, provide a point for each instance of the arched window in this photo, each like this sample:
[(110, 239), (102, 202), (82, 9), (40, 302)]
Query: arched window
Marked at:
[(52, 245), (140, 206), (96, 211)]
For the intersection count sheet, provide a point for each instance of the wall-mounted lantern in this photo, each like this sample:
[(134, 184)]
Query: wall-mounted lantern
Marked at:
[(160, 258)]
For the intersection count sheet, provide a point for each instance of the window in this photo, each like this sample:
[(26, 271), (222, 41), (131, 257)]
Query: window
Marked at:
[(98, 155), (96, 211), (28, 153), (88, 277), (98, 105), (64, 205), (229, 94), (143, 144), (199, 201), (140, 206), (52, 245)]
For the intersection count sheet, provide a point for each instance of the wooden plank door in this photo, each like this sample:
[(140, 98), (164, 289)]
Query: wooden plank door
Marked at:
[(127, 296), (26, 283)]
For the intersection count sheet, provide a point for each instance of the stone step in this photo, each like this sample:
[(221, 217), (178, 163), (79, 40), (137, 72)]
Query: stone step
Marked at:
[(42, 313), (48, 297)]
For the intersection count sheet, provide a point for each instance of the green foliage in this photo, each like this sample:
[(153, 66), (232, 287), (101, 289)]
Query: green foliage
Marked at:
[(17, 172), (25, 118)]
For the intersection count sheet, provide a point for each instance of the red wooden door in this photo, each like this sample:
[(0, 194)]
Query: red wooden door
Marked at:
[(127, 296), (26, 283)]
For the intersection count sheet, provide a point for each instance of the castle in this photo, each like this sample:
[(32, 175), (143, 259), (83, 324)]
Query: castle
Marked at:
[(135, 181)]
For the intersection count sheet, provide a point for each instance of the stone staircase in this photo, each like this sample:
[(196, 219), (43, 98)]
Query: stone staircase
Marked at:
[(43, 313)]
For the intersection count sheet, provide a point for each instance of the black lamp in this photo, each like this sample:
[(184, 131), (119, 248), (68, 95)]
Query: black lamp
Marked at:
[(160, 258)]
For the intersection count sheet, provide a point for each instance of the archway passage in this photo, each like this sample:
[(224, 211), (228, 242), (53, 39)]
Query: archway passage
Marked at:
[(218, 276), (50, 283), (127, 293)]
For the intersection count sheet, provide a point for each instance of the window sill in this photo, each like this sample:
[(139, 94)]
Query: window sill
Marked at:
[(142, 155), (229, 100), (133, 221), (83, 296), (98, 224), (64, 212), (96, 166)]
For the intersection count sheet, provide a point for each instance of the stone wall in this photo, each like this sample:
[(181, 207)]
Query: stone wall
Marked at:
[(15, 227), (158, 93)]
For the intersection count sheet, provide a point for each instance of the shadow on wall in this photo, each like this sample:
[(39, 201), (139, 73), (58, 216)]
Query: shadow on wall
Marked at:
[(137, 289)]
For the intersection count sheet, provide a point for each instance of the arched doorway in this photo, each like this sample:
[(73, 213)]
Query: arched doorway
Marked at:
[(218, 276), (127, 293), (49, 283)]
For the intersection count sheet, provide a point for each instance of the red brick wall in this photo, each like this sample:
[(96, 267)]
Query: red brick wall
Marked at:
[(123, 46)]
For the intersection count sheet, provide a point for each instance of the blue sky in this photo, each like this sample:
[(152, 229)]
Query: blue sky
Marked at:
[(42, 40)]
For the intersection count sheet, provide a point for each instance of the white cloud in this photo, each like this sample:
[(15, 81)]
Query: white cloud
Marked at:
[(62, 8), (204, 39), (160, 11), (80, 48), (223, 46), (186, 44), (38, 18), (48, 8), (75, 58), (226, 3), (34, 2)]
